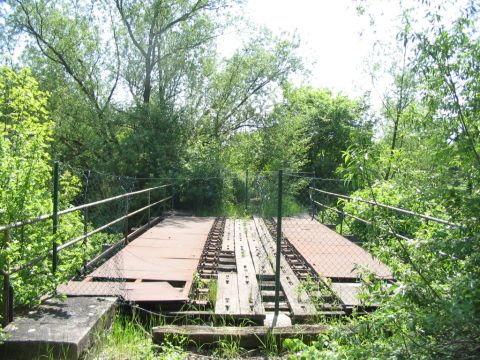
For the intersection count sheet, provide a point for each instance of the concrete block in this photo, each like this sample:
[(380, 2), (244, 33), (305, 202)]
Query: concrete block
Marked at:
[(57, 329)]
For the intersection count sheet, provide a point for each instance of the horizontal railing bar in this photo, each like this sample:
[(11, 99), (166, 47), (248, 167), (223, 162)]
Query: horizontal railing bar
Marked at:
[(84, 206), (76, 208), (363, 221), (26, 222), (80, 238), (29, 263), (407, 212), (343, 212)]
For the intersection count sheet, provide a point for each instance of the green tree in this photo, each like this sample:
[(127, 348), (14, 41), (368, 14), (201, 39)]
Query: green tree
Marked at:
[(332, 122), (25, 191)]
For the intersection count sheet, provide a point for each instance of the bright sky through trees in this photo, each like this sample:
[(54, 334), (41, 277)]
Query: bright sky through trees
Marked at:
[(329, 33), (333, 37)]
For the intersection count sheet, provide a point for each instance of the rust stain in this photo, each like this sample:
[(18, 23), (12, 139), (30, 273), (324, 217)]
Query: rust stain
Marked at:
[(329, 253), (168, 252)]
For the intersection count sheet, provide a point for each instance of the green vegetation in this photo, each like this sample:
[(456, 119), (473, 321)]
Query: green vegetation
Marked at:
[(127, 339), (138, 89)]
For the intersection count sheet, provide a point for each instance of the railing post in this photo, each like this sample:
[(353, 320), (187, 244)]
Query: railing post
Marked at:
[(7, 293), (6, 300), (279, 243), (55, 216), (311, 193), (10, 302), (164, 195), (125, 230), (85, 221), (148, 210), (173, 195), (85, 232), (246, 189), (341, 215), (324, 200)]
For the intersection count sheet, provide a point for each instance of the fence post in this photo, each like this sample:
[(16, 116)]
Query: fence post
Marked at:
[(279, 242), (125, 230), (173, 195), (7, 300), (246, 189), (341, 215), (148, 210), (55, 217), (311, 194)]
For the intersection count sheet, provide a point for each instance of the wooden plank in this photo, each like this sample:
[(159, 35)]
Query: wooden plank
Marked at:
[(250, 337), (250, 300), (259, 258), (228, 242), (298, 300), (227, 295)]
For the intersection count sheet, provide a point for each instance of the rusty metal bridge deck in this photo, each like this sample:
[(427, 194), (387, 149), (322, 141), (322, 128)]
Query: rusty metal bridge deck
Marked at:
[(158, 266)]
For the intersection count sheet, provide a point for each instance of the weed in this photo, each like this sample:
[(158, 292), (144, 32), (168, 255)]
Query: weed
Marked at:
[(212, 292), (228, 347), (173, 347), (125, 340), (269, 346)]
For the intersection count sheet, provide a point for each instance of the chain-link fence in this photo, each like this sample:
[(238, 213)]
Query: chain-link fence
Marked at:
[(72, 223), (330, 262), (337, 246), (294, 243)]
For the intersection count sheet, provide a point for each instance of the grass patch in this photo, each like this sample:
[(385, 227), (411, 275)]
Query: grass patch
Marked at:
[(126, 339)]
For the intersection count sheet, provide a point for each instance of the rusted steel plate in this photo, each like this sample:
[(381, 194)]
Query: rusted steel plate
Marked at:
[(145, 253), (330, 254), (131, 291), (170, 251), (186, 242), (133, 267)]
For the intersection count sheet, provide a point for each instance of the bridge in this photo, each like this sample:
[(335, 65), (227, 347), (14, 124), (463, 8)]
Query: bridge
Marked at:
[(245, 268)]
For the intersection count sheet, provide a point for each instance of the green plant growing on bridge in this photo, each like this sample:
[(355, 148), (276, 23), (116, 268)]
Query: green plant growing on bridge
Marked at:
[(212, 292)]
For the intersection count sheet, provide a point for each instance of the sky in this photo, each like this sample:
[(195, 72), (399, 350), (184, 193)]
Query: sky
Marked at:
[(335, 40)]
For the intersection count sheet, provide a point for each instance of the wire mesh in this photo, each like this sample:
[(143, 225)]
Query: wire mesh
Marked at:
[(317, 244), (331, 245), (42, 255), (333, 261)]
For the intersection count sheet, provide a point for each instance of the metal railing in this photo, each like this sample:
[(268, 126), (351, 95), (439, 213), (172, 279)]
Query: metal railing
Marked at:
[(339, 210), (7, 271)]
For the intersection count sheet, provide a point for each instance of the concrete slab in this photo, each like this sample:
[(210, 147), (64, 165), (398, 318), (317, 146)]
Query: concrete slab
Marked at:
[(281, 320), (57, 329)]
